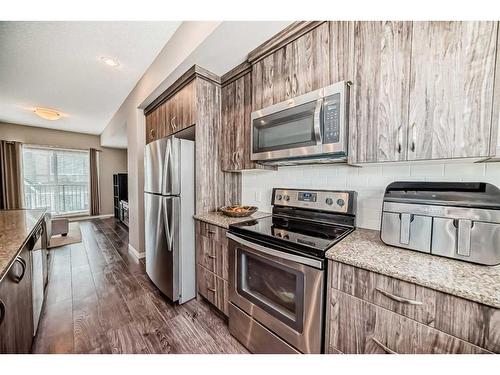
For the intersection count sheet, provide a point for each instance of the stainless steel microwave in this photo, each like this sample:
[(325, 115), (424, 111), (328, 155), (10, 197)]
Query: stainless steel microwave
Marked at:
[(306, 129)]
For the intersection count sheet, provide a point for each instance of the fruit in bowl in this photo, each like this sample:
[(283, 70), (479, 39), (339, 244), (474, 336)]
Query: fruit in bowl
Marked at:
[(238, 210)]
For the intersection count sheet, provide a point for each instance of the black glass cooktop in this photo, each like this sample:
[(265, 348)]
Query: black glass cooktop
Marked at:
[(300, 235)]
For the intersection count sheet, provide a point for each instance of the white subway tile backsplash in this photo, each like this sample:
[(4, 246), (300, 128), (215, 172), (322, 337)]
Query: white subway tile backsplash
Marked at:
[(396, 170), (427, 170), (369, 181)]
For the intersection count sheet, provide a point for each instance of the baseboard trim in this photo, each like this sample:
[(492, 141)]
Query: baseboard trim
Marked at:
[(136, 253)]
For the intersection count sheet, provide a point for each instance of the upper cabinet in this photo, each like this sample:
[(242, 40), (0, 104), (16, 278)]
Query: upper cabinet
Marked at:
[(173, 115), (422, 90), (300, 66), (451, 89), (380, 91), (236, 132)]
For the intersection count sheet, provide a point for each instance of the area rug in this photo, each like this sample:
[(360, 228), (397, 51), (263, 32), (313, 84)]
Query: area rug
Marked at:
[(74, 236)]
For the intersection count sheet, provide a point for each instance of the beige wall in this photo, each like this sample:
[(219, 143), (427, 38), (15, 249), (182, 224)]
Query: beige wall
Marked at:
[(111, 160)]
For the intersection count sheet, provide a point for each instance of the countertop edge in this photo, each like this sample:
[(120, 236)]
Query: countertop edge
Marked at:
[(211, 217), (409, 279), (473, 296), (7, 267)]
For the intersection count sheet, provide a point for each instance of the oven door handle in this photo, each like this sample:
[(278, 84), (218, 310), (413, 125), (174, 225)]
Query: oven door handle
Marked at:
[(279, 254), (317, 122)]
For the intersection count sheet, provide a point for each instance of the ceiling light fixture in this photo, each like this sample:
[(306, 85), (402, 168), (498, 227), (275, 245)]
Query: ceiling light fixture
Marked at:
[(47, 113), (109, 61)]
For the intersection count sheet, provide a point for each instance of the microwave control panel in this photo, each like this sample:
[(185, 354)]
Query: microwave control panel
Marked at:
[(331, 119)]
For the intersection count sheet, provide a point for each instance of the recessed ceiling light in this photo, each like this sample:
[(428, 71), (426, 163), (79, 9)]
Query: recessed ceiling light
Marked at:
[(109, 61), (47, 113)]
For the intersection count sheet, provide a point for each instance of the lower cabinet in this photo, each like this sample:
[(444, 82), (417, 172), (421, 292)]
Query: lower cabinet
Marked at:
[(16, 306), (213, 289), (359, 327), (373, 313), (212, 264)]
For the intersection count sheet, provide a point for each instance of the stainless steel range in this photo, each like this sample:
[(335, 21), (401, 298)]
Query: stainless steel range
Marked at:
[(277, 270)]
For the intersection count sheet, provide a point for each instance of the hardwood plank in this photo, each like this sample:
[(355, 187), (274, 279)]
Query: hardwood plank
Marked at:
[(113, 307)]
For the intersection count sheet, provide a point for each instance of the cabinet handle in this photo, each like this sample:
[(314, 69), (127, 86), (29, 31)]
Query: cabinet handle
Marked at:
[(22, 262), (234, 157), (413, 137), (212, 256), (2, 312), (211, 290), (397, 298), (172, 123), (385, 348), (400, 138), (151, 133), (211, 231)]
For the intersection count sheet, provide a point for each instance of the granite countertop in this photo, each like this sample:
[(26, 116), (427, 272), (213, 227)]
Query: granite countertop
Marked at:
[(16, 227), (221, 220), (364, 249)]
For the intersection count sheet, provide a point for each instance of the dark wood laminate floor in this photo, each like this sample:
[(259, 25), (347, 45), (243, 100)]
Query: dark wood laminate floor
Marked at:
[(100, 300)]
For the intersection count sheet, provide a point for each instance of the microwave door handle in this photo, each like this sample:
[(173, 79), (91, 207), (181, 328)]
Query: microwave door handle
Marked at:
[(317, 122)]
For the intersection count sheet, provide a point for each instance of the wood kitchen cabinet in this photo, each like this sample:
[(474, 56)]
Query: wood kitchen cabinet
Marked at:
[(422, 90), (380, 91), (236, 126), (213, 266), (359, 327), (451, 89), (300, 66), (16, 306), (173, 115), (373, 313)]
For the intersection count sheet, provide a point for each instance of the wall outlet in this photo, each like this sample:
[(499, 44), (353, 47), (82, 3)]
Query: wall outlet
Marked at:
[(258, 196)]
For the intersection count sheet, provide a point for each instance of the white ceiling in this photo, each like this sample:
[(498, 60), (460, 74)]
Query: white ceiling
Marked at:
[(57, 65)]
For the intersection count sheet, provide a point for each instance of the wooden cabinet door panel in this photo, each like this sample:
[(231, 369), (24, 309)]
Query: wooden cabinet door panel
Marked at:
[(359, 327), (16, 327), (149, 128), (297, 68), (470, 321), (207, 284), (451, 89), (380, 91), (181, 109), (228, 127)]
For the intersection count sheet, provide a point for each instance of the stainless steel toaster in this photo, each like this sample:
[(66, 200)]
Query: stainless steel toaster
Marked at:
[(459, 220)]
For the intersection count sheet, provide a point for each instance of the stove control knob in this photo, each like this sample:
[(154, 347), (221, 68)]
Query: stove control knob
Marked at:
[(278, 197), (340, 202), (286, 197), (329, 201)]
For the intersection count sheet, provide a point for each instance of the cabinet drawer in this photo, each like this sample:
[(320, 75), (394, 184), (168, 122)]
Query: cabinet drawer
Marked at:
[(213, 288), (212, 249), (359, 327), (467, 320), (207, 284)]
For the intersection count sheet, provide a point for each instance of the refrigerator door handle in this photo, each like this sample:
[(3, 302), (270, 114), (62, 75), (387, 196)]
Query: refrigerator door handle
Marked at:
[(167, 169), (169, 216)]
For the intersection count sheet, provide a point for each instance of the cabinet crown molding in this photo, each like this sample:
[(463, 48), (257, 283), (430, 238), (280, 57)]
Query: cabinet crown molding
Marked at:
[(285, 36), (195, 71)]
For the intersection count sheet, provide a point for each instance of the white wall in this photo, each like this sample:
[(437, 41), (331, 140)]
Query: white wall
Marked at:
[(368, 181), (216, 46), (111, 160)]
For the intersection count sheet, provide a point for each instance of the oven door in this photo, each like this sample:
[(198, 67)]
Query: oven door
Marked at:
[(281, 291)]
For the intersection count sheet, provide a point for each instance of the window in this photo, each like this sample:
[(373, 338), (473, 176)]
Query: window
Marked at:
[(56, 179)]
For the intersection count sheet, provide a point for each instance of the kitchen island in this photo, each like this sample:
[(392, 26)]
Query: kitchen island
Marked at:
[(383, 299)]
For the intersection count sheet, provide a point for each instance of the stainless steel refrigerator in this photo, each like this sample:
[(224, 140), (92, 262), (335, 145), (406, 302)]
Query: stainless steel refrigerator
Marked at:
[(169, 209)]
